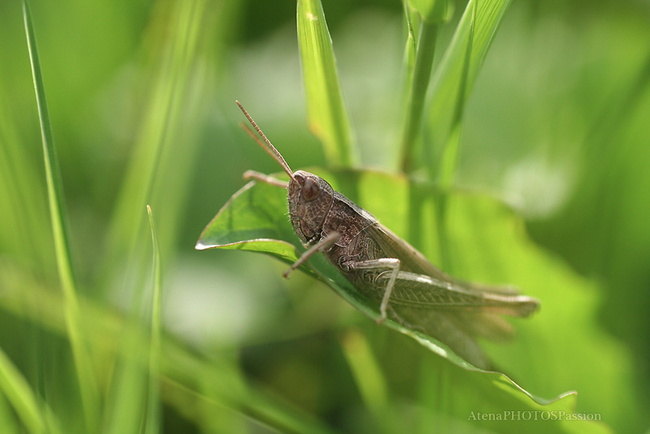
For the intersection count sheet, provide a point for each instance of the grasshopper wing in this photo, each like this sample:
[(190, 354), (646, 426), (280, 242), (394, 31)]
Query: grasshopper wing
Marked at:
[(417, 290)]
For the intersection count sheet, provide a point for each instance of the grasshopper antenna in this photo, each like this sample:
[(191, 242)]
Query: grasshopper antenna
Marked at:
[(266, 145)]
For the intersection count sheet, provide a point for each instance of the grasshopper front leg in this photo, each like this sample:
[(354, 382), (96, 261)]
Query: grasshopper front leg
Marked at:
[(393, 264), (266, 179), (323, 244)]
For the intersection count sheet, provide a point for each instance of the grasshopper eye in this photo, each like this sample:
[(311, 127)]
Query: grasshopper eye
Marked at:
[(310, 190)]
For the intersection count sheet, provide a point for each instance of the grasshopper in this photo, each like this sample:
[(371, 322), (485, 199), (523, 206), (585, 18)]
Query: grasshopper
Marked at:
[(391, 273)]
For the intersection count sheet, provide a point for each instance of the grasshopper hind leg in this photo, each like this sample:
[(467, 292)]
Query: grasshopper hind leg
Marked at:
[(393, 265)]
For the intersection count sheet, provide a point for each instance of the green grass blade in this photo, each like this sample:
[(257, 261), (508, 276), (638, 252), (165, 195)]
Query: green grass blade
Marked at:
[(433, 10), (133, 402), (444, 169), (22, 398), (328, 117), (89, 391), (153, 407), (447, 164), (367, 374), (181, 370), (453, 81), (431, 14), (25, 222), (419, 83), (411, 44), (163, 146)]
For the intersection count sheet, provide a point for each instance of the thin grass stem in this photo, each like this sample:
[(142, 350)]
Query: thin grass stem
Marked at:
[(85, 369), (426, 48)]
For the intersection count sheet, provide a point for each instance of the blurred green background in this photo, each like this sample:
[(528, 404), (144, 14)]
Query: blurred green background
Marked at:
[(141, 97)]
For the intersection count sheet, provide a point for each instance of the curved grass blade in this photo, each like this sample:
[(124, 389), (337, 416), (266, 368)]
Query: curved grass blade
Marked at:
[(22, 398), (134, 396), (85, 370), (328, 117), (153, 399)]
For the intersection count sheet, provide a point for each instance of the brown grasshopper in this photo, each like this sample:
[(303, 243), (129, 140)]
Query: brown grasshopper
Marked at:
[(389, 271)]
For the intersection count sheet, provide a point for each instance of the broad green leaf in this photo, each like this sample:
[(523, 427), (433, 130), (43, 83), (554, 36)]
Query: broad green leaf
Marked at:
[(263, 230), (486, 244), (328, 117)]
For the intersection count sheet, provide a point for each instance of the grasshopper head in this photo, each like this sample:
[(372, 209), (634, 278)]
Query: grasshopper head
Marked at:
[(310, 199)]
